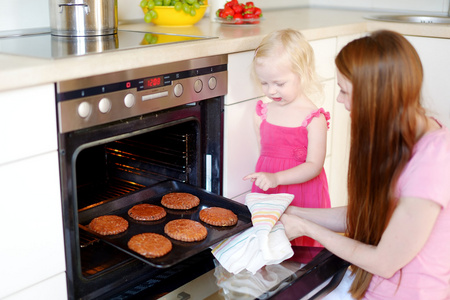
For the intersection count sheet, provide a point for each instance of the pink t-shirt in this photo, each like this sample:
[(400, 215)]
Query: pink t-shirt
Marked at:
[(427, 176)]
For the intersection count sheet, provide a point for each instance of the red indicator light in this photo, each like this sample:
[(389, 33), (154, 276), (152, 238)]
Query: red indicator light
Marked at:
[(128, 84)]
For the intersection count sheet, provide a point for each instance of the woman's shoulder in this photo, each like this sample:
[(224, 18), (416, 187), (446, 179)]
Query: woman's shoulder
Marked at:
[(427, 172), (435, 140)]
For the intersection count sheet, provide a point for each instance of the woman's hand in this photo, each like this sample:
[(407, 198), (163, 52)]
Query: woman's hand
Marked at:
[(292, 226), (263, 180)]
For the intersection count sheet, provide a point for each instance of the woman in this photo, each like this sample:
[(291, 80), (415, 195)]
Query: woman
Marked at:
[(397, 221)]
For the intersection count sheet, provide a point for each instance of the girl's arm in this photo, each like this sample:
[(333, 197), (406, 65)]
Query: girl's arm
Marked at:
[(406, 234)]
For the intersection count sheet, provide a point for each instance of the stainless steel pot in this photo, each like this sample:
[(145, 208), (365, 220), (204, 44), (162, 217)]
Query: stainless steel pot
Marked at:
[(63, 46), (83, 17)]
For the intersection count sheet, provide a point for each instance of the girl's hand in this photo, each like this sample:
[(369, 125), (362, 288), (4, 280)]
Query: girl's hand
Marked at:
[(263, 180)]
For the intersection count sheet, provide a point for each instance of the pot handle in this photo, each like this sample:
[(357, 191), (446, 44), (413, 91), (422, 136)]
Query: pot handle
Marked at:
[(86, 7)]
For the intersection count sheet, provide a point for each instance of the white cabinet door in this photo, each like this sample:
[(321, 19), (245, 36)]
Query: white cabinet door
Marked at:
[(27, 122), (328, 107), (435, 56), (31, 223), (340, 139), (240, 149)]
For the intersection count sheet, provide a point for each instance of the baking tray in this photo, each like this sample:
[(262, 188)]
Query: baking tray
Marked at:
[(152, 195)]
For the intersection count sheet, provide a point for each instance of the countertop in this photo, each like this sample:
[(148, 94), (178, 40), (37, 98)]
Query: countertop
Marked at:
[(315, 23)]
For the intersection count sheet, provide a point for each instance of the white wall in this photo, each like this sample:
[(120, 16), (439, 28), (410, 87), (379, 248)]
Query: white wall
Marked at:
[(423, 6), (23, 14), (16, 14)]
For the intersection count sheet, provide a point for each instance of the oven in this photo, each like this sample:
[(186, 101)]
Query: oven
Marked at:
[(132, 136), (120, 134)]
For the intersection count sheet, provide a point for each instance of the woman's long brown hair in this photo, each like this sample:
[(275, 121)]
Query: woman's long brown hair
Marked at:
[(386, 75)]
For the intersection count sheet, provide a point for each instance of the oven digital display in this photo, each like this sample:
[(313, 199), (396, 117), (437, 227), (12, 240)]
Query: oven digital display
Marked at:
[(153, 82)]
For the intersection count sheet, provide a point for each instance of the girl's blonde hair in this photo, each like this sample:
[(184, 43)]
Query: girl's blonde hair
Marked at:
[(293, 45)]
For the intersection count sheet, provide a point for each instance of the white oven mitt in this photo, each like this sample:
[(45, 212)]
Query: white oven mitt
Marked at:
[(263, 244)]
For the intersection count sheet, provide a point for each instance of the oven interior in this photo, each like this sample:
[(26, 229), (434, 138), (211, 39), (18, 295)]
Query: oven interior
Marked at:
[(112, 170)]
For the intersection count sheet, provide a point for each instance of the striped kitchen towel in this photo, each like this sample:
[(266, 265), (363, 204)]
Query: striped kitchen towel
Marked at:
[(263, 244)]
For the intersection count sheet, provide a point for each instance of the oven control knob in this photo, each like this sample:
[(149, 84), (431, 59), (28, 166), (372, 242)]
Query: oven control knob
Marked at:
[(129, 100), (198, 86), (212, 83), (178, 89), (84, 109), (104, 105)]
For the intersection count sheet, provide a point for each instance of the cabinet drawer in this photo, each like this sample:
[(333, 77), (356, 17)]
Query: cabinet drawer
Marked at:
[(28, 122), (241, 85), (324, 54)]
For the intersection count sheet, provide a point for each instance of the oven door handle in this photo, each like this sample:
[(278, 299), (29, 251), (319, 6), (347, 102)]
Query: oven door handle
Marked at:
[(208, 176), (331, 285)]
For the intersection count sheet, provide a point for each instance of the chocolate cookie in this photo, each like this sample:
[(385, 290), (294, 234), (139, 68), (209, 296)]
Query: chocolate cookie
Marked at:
[(180, 201), (185, 230), (218, 216), (108, 225), (147, 212), (150, 245)]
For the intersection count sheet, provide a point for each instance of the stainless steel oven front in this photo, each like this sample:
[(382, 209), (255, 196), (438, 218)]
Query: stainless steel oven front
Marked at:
[(122, 132)]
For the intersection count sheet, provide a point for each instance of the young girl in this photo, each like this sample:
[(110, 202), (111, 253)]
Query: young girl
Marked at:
[(398, 216), (291, 130)]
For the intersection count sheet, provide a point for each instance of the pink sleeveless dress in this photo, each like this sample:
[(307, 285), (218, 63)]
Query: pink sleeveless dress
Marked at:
[(283, 148)]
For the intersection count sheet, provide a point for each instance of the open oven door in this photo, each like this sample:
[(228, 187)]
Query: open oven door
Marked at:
[(316, 279)]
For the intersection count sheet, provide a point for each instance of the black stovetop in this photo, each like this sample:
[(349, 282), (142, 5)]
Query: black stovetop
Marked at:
[(40, 43)]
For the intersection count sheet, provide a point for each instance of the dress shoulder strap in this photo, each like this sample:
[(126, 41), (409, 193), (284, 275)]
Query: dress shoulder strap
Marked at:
[(315, 114), (261, 109)]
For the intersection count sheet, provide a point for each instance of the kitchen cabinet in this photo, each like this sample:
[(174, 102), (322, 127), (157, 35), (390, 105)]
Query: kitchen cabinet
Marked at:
[(28, 122), (340, 138), (324, 52), (240, 145), (434, 54), (32, 256)]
